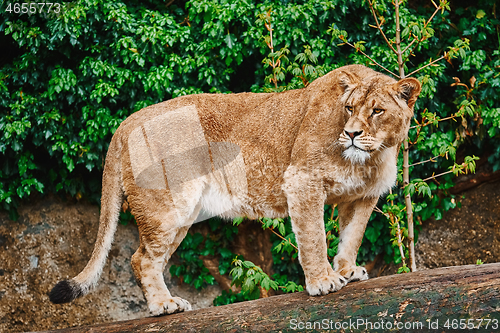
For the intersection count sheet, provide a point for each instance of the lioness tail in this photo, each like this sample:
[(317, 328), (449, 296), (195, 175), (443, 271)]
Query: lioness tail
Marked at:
[(111, 200)]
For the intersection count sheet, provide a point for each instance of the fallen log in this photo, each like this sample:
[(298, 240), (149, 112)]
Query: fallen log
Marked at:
[(474, 181), (451, 298)]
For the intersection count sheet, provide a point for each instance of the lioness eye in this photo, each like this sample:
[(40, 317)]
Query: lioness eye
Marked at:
[(348, 108), (378, 111)]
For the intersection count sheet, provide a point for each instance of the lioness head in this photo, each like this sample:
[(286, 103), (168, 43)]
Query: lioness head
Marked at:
[(378, 111)]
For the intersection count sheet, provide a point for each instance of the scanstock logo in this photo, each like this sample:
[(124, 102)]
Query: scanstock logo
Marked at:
[(170, 152)]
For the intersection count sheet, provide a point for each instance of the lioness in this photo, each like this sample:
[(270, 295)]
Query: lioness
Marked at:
[(254, 155)]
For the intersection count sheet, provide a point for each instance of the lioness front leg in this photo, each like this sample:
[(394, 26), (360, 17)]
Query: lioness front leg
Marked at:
[(306, 212), (353, 218)]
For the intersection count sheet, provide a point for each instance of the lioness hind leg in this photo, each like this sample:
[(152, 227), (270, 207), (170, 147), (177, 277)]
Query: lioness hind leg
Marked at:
[(354, 273), (353, 218), (148, 263)]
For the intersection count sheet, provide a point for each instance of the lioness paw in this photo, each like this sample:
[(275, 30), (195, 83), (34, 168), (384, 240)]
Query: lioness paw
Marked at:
[(326, 284), (168, 306), (354, 273)]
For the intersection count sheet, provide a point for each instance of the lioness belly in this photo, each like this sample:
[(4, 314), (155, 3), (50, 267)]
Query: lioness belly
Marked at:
[(217, 202)]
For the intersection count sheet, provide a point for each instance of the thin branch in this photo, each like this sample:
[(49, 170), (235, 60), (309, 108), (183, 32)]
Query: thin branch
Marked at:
[(450, 117), (426, 124), (409, 45), (283, 238), (431, 63), (406, 169), (333, 210), (270, 45), (456, 167), (394, 221), (378, 210), (398, 42), (380, 28), (425, 26), (272, 51), (331, 219), (366, 55), (432, 159), (438, 175)]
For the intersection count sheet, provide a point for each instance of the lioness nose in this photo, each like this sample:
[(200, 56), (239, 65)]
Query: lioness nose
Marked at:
[(352, 135)]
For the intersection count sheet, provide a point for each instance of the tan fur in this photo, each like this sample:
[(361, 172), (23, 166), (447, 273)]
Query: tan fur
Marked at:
[(257, 155)]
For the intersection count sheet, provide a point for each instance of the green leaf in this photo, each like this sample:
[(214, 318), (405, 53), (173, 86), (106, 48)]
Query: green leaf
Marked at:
[(248, 264), (403, 269), (372, 234), (225, 253), (237, 221), (248, 285), (230, 40), (278, 247), (282, 229), (236, 273)]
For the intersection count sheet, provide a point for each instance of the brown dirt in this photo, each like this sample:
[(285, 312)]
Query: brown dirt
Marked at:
[(52, 240), (465, 234), (462, 236)]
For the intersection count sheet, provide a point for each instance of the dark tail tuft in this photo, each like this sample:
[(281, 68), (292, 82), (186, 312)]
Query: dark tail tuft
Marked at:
[(65, 291)]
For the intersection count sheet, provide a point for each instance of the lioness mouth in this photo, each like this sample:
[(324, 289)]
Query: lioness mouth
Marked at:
[(353, 146)]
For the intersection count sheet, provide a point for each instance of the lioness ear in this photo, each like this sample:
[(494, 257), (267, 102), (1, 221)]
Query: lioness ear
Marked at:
[(348, 81), (409, 89)]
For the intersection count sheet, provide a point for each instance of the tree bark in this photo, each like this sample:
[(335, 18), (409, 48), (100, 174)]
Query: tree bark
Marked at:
[(477, 180), (424, 301)]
